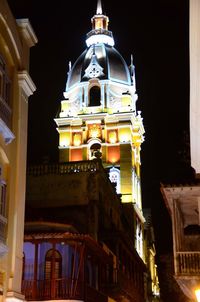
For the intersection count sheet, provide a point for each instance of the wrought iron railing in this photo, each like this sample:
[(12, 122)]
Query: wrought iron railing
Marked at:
[(188, 263)]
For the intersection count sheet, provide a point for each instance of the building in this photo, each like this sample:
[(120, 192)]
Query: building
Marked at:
[(99, 114), (153, 288), (182, 199), (78, 215), (16, 38), (84, 233)]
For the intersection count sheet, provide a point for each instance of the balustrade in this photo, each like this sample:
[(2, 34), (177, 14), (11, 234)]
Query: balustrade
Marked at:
[(63, 289), (65, 168), (51, 289), (188, 263)]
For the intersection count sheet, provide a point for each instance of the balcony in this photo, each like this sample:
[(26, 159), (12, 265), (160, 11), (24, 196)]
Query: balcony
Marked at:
[(60, 289), (188, 263), (183, 205), (65, 168), (122, 285)]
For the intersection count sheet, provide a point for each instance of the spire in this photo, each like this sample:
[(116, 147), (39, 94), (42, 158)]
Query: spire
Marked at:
[(131, 59), (132, 72), (99, 8), (100, 32)]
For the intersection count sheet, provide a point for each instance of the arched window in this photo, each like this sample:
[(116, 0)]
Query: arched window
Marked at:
[(94, 96), (53, 265), (114, 176), (96, 147)]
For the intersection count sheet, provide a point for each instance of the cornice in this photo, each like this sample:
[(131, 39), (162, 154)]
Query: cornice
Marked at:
[(26, 83)]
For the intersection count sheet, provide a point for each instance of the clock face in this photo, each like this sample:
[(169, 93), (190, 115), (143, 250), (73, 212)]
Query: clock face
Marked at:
[(94, 71)]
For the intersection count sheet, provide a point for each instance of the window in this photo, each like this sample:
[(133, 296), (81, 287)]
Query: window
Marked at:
[(95, 151), (94, 96), (114, 176), (139, 238), (2, 198), (5, 88), (4, 83)]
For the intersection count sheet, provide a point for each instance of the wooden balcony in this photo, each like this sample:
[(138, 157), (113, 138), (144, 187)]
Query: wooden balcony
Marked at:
[(60, 289), (187, 271), (188, 263), (122, 285)]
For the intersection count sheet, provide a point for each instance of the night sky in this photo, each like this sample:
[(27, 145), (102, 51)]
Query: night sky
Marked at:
[(156, 33)]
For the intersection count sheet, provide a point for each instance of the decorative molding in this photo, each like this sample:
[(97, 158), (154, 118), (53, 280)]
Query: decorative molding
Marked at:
[(26, 83), (27, 31), (13, 296)]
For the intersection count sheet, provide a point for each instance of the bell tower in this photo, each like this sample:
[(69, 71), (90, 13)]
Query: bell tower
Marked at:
[(98, 115)]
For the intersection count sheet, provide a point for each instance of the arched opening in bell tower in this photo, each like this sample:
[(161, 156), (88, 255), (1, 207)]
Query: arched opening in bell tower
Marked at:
[(94, 148), (94, 96)]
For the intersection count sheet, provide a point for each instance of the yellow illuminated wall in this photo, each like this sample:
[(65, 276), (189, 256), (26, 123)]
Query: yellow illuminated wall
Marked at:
[(16, 38), (124, 135), (64, 139)]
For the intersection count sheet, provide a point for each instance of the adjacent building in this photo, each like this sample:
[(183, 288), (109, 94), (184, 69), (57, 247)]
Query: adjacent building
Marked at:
[(183, 199), (16, 38)]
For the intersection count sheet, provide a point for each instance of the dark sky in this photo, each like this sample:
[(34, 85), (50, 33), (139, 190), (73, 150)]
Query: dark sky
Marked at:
[(156, 33)]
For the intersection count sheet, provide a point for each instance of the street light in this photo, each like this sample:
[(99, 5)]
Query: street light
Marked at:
[(197, 293)]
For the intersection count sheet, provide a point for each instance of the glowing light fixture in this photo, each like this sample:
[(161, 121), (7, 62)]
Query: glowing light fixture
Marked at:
[(94, 131), (197, 293)]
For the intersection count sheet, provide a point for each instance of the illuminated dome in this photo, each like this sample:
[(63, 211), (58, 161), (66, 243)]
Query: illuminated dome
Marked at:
[(102, 61)]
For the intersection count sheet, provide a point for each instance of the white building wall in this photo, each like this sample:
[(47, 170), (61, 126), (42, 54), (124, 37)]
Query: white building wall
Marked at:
[(195, 84)]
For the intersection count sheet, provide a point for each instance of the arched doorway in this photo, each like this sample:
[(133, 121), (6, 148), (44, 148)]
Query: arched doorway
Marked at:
[(53, 274), (53, 265)]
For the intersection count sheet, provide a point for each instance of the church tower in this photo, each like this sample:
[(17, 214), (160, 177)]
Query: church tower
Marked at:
[(98, 117)]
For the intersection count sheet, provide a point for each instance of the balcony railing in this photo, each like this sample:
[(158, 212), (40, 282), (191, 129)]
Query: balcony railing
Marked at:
[(188, 263), (60, 289), (120, 283), (99, 31), (65, 168)]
